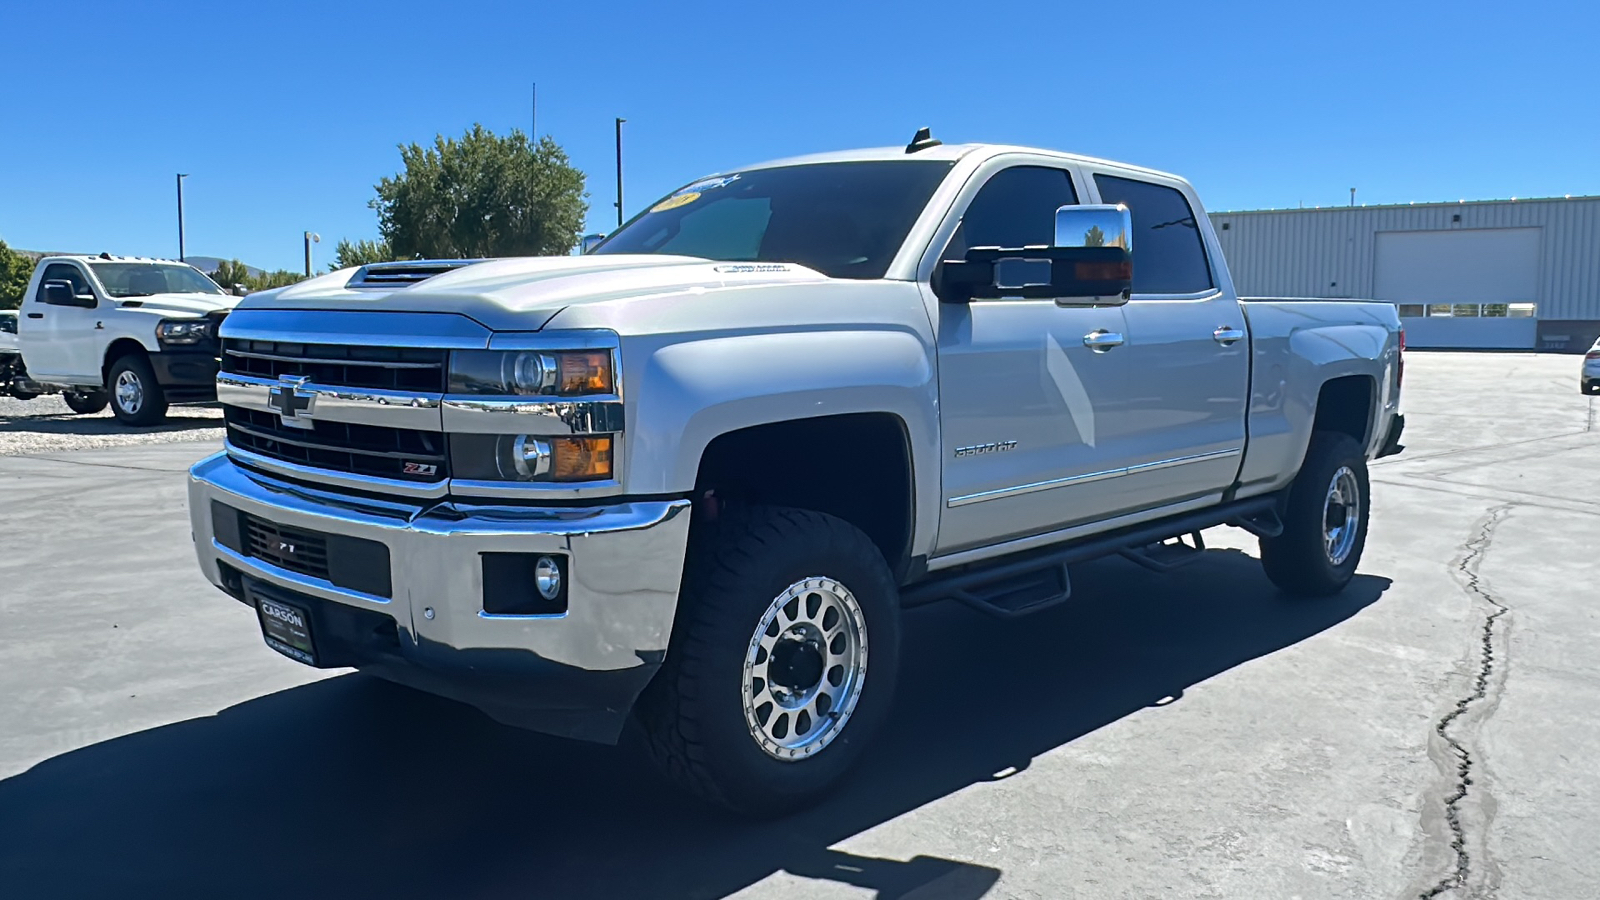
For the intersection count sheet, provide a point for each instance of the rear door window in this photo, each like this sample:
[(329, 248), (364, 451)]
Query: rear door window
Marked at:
[(1168, 255)]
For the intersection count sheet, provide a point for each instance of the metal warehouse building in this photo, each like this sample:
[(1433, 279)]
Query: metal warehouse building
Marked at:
[(1514, 274)]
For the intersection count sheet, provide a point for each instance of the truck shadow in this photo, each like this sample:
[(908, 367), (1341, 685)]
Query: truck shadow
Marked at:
[(181, 418), (353, 787)]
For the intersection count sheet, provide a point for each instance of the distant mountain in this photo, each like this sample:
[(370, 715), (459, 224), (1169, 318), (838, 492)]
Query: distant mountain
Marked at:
[(206, 264)]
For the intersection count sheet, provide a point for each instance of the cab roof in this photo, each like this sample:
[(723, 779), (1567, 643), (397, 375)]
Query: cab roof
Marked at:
[(106, 257), (945, 152)]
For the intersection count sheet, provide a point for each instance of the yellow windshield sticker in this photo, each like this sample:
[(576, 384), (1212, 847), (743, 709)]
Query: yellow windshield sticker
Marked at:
[(675, 202)]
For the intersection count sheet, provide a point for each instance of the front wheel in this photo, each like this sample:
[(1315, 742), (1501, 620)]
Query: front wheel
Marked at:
[(1324, 521), (136, 398), (782, 662), (85, 403)]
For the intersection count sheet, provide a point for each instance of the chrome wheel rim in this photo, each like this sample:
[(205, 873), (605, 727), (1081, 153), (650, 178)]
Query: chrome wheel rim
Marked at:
[(130, 392), (1341, 515), (804, 669)]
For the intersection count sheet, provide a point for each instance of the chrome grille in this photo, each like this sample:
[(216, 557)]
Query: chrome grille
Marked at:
[(403, 454), (387, 368), (289, 548)]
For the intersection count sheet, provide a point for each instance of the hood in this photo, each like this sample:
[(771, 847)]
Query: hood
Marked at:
[(178, 304), (524, 294)]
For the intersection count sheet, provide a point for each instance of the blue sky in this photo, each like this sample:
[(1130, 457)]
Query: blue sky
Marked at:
[(285, 114)]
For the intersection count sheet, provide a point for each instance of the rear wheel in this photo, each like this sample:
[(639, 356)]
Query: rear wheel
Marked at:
[(1324, 520), (782, 662), (136, 398), (85, 403)]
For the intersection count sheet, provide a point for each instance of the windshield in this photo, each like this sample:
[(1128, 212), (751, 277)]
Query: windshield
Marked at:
[(127, 279), (846, 220)]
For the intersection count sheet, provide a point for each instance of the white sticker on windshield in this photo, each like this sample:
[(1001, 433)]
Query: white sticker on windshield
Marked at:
[(710, 184)]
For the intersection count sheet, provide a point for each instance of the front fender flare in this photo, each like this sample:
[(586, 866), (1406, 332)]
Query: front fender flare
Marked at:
[(692, 392)]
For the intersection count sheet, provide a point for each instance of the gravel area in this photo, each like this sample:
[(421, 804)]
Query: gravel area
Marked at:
[(46, 425)]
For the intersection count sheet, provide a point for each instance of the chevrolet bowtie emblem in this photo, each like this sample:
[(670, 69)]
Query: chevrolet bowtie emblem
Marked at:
[(292, 404)]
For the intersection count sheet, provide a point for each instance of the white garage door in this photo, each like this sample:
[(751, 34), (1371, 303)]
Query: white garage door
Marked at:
[(1492, 265), (1464, 288)]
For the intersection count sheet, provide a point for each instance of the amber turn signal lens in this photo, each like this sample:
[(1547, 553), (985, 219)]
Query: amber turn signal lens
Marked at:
[(580, 458), (588, 372)]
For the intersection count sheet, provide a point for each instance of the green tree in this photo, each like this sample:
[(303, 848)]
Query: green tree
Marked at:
[(1094, 237), (15, 270), (268, 280), (480, 196), (230, 274), (360, 253)]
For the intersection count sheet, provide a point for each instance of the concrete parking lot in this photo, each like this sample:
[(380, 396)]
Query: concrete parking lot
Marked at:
[(1430, 732)]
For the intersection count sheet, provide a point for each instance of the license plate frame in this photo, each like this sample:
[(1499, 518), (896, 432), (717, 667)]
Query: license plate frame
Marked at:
[(286, 627)]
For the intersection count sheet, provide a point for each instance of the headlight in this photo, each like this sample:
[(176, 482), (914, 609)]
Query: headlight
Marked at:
[(567, 373), (178, 331), (521, 457)]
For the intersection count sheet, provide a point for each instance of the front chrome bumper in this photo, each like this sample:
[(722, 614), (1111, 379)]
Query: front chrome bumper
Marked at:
[(576, 674)]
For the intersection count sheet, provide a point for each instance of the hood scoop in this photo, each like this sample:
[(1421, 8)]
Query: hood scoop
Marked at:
[(395, 275)]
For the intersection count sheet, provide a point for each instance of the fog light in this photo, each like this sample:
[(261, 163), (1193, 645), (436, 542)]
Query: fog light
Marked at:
[(547, 578), (524, 584)]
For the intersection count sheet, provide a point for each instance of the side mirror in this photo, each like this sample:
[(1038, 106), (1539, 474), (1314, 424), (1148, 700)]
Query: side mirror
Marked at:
[(590, 241), (1090, 262), (60, 293)]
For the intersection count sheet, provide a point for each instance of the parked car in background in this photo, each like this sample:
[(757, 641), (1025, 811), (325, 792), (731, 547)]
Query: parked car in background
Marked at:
[(695, 475), (1589, 381), (10, 356), (8, 331), (139, 334)]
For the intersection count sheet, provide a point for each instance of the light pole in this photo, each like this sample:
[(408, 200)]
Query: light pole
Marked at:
[(311, 238), (181, 177), (619, 171)]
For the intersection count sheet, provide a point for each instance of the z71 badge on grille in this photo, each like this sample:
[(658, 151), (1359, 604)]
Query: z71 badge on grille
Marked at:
[(412, 468)]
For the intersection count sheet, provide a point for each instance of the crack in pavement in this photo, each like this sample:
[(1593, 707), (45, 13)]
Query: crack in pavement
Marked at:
[(1467, 571)]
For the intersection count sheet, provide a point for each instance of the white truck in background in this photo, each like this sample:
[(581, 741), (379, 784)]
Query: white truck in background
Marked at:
[(137, 334)]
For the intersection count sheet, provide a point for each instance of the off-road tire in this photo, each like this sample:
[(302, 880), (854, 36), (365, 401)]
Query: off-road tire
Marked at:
[(86, 403), (1297, 561), (692, 715), (152, 408)]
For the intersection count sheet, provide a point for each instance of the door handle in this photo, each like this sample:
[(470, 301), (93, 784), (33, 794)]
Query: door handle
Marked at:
[(35, 315), (1102, 340), (1227, 334)]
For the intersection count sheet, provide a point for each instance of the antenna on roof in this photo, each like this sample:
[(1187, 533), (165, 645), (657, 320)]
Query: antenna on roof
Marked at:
[(104, 255), (922, 140)]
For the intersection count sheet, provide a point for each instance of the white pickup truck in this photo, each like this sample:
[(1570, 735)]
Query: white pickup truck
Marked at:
[(138, 333), (694, 476)]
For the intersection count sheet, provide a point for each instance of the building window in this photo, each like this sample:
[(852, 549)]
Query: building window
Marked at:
[(1411, 310), (1439, 309), (1520, 310), (1464, 310), (1494, 310)]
